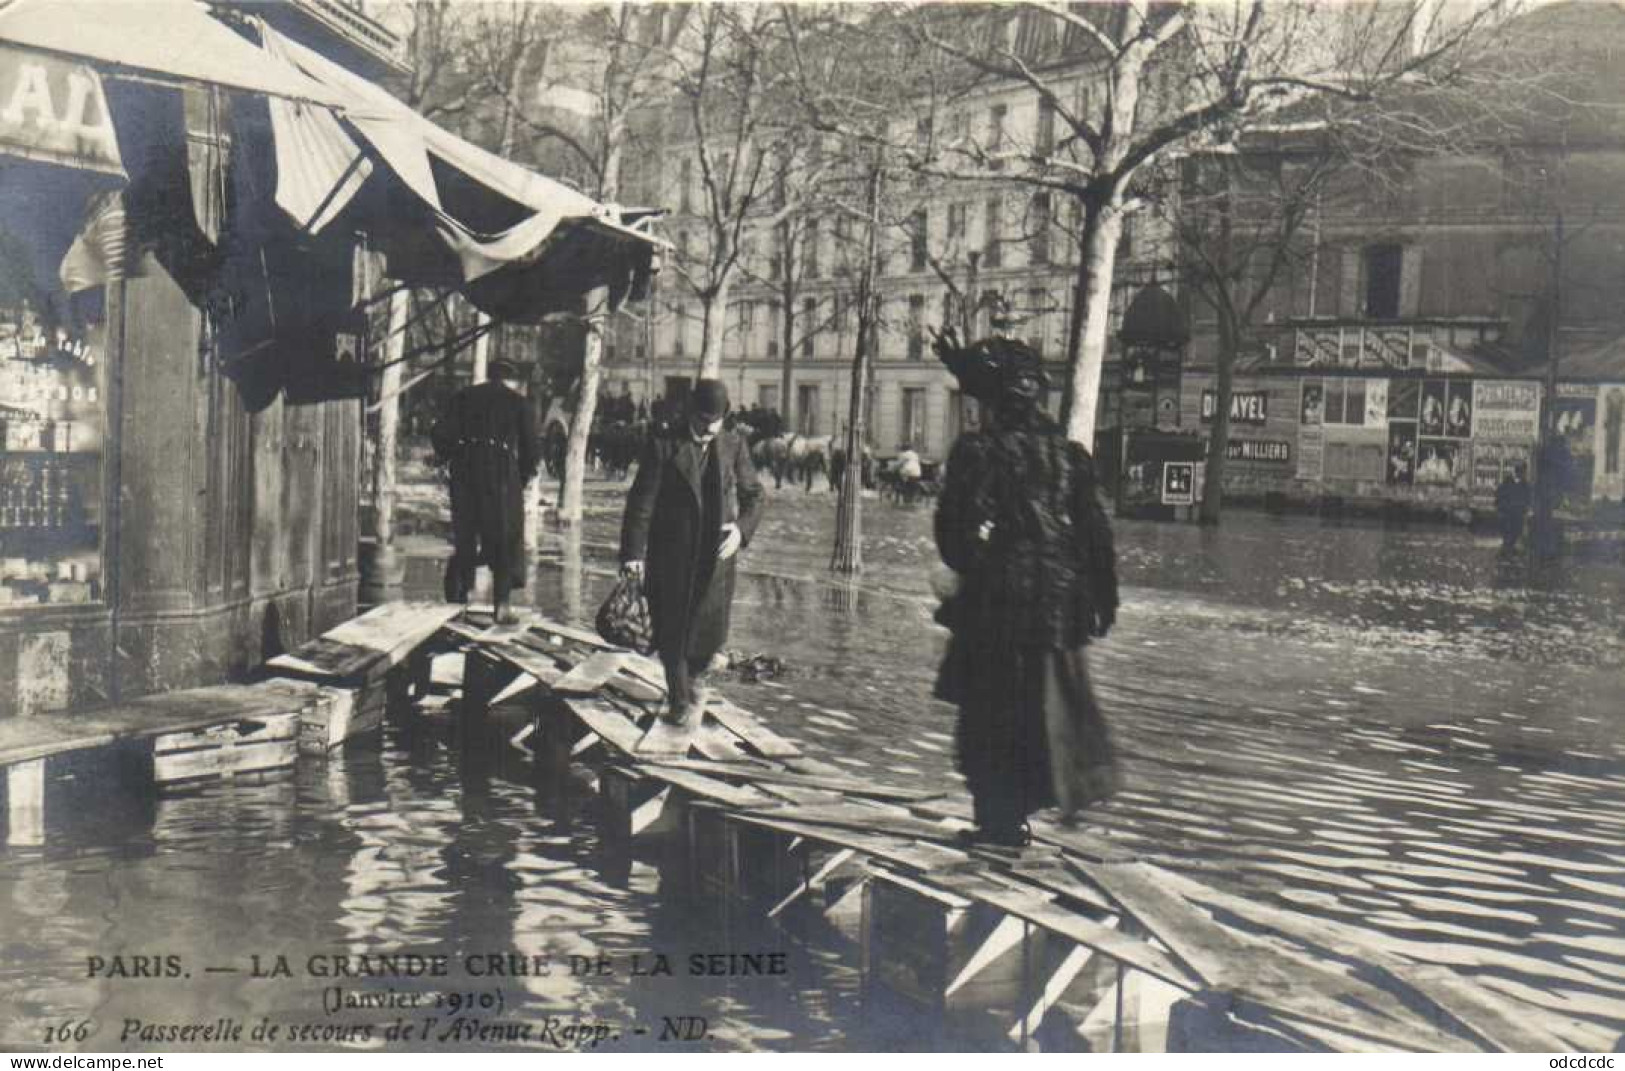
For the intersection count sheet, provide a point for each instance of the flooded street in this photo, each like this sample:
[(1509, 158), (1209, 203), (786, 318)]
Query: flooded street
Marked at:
[(1380, 726)]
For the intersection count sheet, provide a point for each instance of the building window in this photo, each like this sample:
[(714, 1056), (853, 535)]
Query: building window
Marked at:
[(1383, 266), (1044, 142), (809, 325), (916, 327), (773, 329), (914, 417), (922, 132), (685, 183), (838, 303), (679, 330), (995, 134), (1037, 306), (775, 259), (993, 244), (807, 409), (809, 250), (919, 230), (1345, 401), (1039, 242), (957, 214)]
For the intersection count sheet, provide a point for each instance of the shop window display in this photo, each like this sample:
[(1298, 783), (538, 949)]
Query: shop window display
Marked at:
[(52, 392)]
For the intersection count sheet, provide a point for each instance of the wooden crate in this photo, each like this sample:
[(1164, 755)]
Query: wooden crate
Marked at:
[(244, 746)]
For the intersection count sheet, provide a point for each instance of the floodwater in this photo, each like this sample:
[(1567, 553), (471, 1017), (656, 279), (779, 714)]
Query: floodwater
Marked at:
[(1382, 726)]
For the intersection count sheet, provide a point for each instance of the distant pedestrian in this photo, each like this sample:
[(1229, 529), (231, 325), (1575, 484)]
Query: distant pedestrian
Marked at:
[(487, 436), (1021, 524), (694, 504), (1512, 500)]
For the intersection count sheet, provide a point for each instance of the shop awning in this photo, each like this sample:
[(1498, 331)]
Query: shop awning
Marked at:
[(522, 245), (53, 111), (168, 40)]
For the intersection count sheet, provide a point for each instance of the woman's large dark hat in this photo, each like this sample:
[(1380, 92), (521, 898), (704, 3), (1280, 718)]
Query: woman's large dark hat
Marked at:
[(993, 369)]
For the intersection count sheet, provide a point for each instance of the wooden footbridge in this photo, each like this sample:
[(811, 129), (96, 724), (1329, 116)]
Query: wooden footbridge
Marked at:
[(1071, 943)]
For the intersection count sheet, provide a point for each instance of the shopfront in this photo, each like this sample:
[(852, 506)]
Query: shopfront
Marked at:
[(158, 528)]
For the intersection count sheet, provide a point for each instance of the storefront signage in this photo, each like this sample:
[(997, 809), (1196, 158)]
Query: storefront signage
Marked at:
[(1276, 450), (1508, 410), (54, 111), (1246, 406)]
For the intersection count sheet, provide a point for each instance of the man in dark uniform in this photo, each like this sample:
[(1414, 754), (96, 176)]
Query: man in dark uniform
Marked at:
[(694, 505), (487, 436)]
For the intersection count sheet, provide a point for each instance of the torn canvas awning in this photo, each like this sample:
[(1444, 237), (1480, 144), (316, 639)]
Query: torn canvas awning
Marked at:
[(167, 40), (518, 244), (54, 111)]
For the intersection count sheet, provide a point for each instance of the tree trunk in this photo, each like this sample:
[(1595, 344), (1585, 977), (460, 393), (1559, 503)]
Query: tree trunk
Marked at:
[(847, 557), (1091, 316), (586, 404), (787, 340), (713, 318)]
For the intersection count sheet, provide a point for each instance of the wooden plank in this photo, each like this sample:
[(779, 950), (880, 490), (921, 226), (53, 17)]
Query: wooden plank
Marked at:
[(1203, 945), (608, 723), (768, 775), (716, 744), (528, 662), (706, 787), (1504, 1024), (570, 632), (635, 688), (326, 659), (746, 726), (664, 740), (591, 675), (40, 735), (394, 629), (876, 819)]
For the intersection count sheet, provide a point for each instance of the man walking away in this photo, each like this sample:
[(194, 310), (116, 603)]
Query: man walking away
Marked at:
[(487, 436), (694, 504), (1512, 499)]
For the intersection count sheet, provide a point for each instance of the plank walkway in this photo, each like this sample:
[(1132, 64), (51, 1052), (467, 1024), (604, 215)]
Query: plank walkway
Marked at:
[(1169, 945), (1072, 937)]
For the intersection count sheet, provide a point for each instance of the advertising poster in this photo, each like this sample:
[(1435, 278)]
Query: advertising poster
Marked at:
[(1609, 479), (1574, 415), (1311, 454), (1376, 403), (1492, 461), (1249, 407), (1436, 462), (1506, 410), (1312, 408), (1433, 406), (1402, 452), (1458, 410)]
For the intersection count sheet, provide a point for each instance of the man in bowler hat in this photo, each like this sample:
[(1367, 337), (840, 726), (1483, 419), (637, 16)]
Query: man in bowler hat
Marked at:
[(693, 507), (487, 437)]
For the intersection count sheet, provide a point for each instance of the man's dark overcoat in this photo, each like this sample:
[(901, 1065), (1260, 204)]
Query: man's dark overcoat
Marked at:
[(681, 497), (487, 436)]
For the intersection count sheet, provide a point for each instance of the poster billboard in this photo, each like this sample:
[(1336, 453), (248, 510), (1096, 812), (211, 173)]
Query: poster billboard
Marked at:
[(1608, 479), (1439, 462), (1376, 403), (1402, 452), (1178, 483), (1433, 403), (1506, 410), (1458, 409)]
